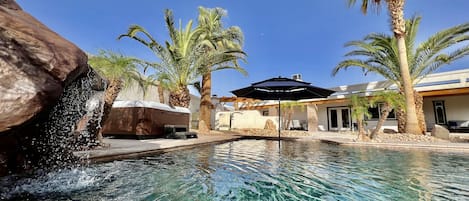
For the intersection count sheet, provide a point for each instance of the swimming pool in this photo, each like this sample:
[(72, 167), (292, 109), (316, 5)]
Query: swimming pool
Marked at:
[(257, 170)]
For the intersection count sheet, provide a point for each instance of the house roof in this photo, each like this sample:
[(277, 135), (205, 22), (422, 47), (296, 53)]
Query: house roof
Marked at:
[(436, 81), (436, 84)]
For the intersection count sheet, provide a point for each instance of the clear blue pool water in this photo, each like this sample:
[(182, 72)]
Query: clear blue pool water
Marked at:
[(257, 170)]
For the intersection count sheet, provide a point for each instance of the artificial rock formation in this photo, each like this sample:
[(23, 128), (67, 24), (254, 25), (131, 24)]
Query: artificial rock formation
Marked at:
[(50, 100), (36, 63)]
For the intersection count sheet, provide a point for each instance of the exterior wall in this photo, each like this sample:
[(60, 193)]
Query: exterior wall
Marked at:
[(273, 111), (242, 119), (135, 93), (194, 107), (300, 114), (388, 124), (456, 107), (370, 124), (323, 117)]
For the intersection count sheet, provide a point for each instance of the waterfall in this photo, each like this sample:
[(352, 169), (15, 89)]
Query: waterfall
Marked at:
[(72, 124)]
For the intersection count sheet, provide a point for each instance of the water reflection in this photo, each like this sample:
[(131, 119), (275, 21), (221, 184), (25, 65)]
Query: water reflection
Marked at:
[(256, 170)]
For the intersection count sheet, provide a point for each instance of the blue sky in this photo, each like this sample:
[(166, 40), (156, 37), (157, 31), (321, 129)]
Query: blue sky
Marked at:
[(281, 37)]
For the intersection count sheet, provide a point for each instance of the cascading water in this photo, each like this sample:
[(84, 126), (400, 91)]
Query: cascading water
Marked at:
[(72, 124)]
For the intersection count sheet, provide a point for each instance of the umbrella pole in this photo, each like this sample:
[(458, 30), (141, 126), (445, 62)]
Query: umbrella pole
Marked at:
[(279, 123)]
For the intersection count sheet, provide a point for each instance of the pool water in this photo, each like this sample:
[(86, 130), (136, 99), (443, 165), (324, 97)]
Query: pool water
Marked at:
[(257, 170)]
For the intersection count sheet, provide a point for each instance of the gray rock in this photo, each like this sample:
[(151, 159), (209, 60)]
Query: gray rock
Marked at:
[(440, 132)]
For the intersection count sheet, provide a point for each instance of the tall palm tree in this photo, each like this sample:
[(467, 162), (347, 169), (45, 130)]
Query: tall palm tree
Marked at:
[(121, 72), (396, 12), (225, 46), (177, 67), (378, 53)]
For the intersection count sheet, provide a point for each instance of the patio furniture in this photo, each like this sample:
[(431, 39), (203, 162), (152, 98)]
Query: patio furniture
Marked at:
[(178, 132), (295, 125), (458, 126)]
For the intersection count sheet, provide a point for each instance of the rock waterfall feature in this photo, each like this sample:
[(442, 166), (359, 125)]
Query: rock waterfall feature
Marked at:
[(50, 100)]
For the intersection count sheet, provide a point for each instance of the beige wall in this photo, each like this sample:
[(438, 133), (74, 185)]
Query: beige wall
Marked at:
[(134, 92), (322, 113), (388, 124), (457, 108), (242, 119)]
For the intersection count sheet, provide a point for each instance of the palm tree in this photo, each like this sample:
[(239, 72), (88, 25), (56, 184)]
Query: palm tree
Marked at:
[(225, 46), (177, 66), (288, 108), (389, 101), (359, 106), (396, 12), (378, 53), (121, 72)]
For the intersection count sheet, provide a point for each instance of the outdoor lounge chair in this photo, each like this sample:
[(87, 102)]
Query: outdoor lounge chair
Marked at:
[(458, 126)]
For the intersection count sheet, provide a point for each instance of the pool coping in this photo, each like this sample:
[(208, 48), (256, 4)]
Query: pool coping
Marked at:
[(448, 147), (107, 154), (139, 148)]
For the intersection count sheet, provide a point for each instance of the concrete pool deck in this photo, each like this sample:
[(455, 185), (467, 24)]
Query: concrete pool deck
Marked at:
[(129, 148)]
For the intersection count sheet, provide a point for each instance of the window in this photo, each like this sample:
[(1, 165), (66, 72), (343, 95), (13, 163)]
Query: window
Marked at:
[(440, 113), (334, 121), (265, 113), (376, 112)]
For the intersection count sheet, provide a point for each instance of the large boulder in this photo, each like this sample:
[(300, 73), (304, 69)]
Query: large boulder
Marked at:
[(36, 63), (269, 125), (50, 100), (440, 132)]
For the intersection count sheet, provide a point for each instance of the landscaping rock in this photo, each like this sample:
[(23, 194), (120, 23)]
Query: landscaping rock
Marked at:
[(440, 132), (36, 63), (46, 89), (269, 125)]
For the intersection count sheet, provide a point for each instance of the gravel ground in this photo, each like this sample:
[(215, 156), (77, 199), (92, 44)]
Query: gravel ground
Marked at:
[(382, 137)]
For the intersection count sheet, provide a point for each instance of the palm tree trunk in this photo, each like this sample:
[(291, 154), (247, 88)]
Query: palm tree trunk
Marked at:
[(110, 95), (396, 11), (312, 113), (361, 130), (400, 115), (420, 113), (180, 97), (384, 115), (206, 101), (289, 116)]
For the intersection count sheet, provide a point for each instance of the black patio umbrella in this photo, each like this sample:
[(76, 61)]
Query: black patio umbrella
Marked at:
[(282, 88)]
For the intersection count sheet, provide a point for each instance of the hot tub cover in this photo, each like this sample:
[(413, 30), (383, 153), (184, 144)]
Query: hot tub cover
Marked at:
[(149, 104)]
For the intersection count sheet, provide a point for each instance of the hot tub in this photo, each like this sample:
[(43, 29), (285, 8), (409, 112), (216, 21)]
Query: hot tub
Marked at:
[(143, 119)]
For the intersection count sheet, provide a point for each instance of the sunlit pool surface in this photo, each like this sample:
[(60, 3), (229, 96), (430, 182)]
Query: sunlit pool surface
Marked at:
[(257, 170)]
